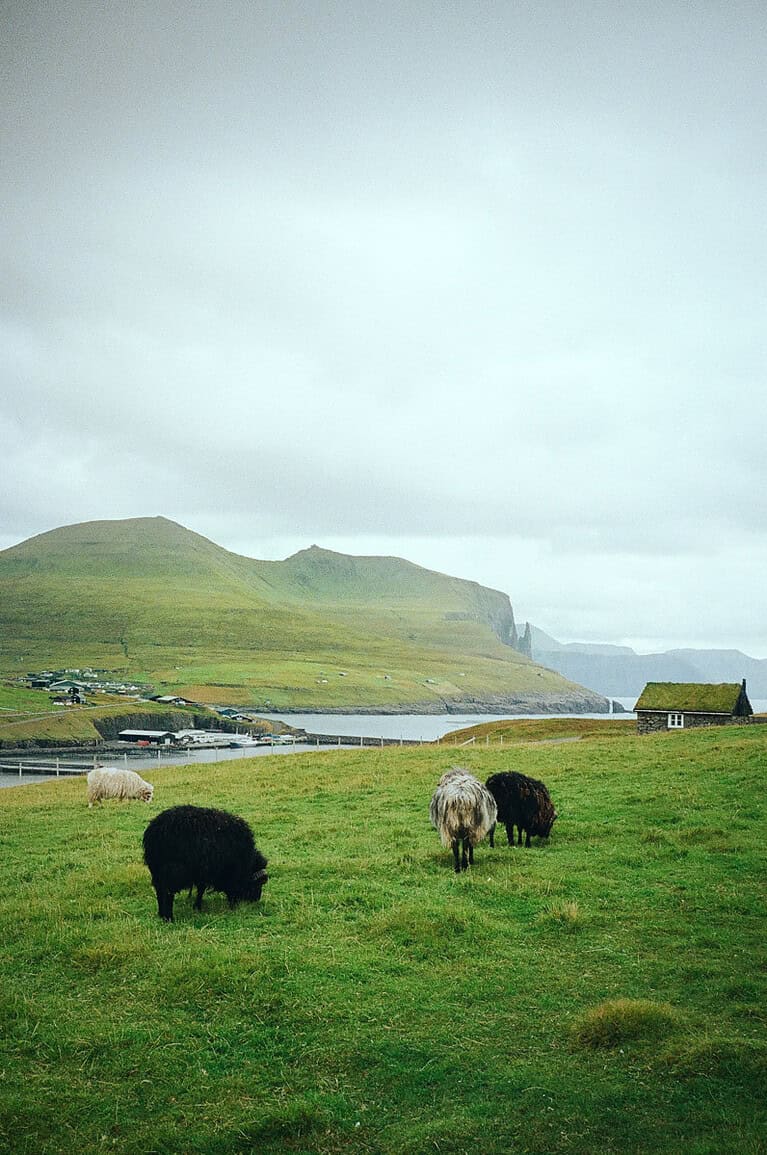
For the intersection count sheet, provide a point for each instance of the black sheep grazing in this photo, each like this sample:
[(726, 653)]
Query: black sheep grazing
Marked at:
[(188, 846), (522, 802)]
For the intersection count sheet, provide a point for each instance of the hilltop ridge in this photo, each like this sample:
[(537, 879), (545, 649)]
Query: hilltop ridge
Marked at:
[(319, 630)]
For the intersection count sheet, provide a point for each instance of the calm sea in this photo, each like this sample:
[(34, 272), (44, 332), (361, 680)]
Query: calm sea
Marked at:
[(415, 727)]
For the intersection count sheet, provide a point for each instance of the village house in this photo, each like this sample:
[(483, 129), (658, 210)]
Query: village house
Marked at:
[(60, 682), (66, 686), (685, 705), (148, 737), (42, 681)]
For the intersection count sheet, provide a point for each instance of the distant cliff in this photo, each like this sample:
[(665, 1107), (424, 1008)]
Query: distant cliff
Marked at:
[(619, 671)]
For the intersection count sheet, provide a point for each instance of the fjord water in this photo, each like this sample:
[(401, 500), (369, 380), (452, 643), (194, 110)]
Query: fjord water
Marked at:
[(414, 727), (429, 727), (409, 727)]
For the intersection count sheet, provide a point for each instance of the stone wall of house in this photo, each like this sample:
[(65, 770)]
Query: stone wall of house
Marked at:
[(653, 721)]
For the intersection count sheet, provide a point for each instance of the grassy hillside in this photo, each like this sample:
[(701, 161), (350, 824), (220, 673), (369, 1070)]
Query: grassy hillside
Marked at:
[(151, 599), (17, 701), (511, 731), (602, 993), (29, 717)]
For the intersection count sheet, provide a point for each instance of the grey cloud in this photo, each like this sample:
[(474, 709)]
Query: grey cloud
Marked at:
[(488, 272)]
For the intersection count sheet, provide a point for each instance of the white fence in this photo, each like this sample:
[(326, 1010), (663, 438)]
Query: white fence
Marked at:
[(57, 767)]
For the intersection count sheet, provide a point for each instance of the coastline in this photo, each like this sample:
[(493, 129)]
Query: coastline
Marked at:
[(518, 705)]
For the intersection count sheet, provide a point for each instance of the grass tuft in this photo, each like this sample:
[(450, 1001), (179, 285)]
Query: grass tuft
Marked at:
[(110, 956), (653, 836), (565, 914), (624, 1020), (737, 1059)]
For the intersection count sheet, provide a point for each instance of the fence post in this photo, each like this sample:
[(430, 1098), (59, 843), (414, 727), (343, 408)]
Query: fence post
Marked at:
[(57, 766), (19, 769)]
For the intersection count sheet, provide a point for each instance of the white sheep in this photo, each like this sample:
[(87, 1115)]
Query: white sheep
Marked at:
[(116, 782), (463, 812)]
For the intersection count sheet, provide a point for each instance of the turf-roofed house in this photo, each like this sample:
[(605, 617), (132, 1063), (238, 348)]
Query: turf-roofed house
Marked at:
[(682, 705)]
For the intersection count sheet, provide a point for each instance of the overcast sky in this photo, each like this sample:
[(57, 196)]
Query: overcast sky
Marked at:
[(480, 284)]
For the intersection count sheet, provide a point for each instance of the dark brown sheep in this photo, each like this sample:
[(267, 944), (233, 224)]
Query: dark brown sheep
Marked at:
[(522, 802)]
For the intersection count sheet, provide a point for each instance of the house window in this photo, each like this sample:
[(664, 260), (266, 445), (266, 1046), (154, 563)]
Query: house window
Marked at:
[(676, 721)]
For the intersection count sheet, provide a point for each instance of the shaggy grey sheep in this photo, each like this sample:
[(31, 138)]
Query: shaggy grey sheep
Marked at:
[(463, 812)]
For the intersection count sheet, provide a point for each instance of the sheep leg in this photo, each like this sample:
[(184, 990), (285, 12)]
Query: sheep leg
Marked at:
[(491, 835), (164, 903), (464, 856), (527, 838), (456, 858), (519, 840), (471, 854), (510, 833), (198, 900)]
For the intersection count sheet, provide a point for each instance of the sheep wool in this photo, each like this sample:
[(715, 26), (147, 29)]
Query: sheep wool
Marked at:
[(188, 846), (116, 782), (463, 812), (522, 802)]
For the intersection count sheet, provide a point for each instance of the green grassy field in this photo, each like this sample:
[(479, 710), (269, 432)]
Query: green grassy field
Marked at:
[(513, 730), (605, 992), (17, 702)]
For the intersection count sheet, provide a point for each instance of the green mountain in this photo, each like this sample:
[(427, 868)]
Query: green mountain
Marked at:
[(319, 631)]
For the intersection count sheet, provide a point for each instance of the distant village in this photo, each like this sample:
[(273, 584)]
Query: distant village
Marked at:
[(73, 687), (72, 684)]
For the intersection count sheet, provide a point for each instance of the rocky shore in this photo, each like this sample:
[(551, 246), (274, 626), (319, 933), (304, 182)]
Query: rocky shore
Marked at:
[(517, 704)]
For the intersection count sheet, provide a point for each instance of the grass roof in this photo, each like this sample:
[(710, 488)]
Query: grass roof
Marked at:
[(719, 698)]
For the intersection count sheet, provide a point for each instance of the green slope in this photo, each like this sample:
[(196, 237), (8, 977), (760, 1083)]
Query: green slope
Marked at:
[(318, 631)]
